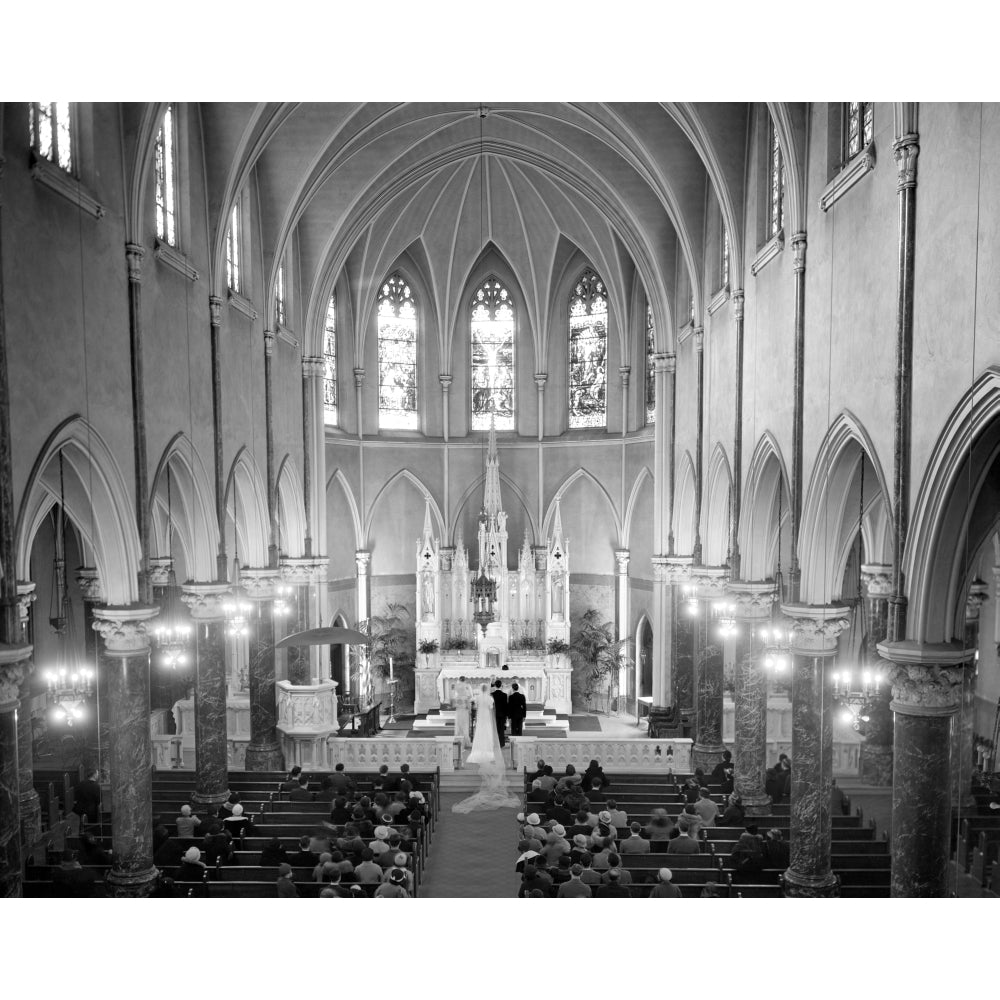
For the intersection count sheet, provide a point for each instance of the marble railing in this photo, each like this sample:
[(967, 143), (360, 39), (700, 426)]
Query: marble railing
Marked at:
[(175, 752), (614, 755), (371, 754)]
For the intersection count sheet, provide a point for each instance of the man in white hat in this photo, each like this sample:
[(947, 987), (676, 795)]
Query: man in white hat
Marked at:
[(665, 888)]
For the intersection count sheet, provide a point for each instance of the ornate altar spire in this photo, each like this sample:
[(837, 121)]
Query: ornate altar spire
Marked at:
[(491, 489)]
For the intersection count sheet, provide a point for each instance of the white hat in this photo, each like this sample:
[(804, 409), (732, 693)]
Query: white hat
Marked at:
[(192, 854), (533, 819), (665, 874), (381, 832), (237, 810)]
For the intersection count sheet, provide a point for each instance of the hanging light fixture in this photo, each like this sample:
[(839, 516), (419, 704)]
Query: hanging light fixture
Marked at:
[(237, 608), (777, 639), (282, 607), (172, 632), (484, 599), (724, 613), (690, 592)]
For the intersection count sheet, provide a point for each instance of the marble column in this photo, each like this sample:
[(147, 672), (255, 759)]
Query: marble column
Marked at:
[(754, 602), (313, 420), (297, 573), (963, 723), (682, 638), (31, 809), (14, 667), (927, 681), (664, 661), (204, 601), (709, 582), (698, 334), (125, 661), (814, 644), (90, 588), (876, 751), (623, 622), (264, 750)]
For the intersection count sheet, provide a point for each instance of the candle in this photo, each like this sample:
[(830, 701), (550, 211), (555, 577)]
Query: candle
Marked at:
[(390, 668)]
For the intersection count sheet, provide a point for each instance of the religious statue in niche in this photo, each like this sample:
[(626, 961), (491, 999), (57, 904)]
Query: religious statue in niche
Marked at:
[(427, 594), (558, 587)]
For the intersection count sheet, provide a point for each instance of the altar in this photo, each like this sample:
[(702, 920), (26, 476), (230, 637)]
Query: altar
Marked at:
[(530, 610)]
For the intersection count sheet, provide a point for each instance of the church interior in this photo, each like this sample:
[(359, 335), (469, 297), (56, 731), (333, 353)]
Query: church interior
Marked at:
[(683, 417)]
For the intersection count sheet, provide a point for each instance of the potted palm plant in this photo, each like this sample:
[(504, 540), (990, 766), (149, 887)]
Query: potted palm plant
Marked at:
[(597, 655)]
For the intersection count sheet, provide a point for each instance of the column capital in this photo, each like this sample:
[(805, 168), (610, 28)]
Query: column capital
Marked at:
[(621, 561), (876, 578), (739, 302), (798, 252), (710, 580), (215, 310), (133, 258), (89, 582), (259, 584), (665, 363), (268, 342), (15, 665), (905, 151), (124, 629), (754, 601), (541, 378), (363, 560), (359, 377), (815, 627), (624, 371), (674, 570), (445, 379), (926, 677), (699, 339), (312, 366), (204, 600), (26, 596), (979, 592), (160, 568), (302, 571)]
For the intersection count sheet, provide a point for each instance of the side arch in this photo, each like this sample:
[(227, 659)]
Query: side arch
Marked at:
[(246, 495), (340, 479), (759, 519), (403, 474), (580, 473), (684, 508), (644, 476), (291, 510), (477, 485), (715, 538)]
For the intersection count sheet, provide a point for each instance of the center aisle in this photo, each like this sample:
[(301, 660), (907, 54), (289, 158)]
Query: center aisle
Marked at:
[(473, 854)]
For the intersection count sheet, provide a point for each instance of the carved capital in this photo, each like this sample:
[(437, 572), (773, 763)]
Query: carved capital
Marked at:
[(215, 310), (978, 595), (15, 665), (798, 252), (815, 628), (739, 303), (541, 378), (710, 580), (666, 363), (133, 259), (445, 379), (259, 584), (621, 561), (926, 678), (26, 596), (359, 377), (675, 570), (363, 560), (124, 629), (160, 568), (624, 371), (205, 600), (268, 342), (699, 339), (753, 601), (877, 580), (313, 367), (304, 571), (905, 151)]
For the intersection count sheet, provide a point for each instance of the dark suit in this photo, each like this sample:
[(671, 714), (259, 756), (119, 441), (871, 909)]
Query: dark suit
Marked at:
[(517, 709), (500, 707)]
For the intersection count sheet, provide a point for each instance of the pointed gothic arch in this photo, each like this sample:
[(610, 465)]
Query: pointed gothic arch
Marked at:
[(640, 480), (715, 538), (685, 528), (246, 509), (564, 487), (340, 479), (759, 524), (402, 475)]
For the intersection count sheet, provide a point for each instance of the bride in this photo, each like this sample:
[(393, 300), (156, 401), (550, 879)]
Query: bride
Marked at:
[(486, 753)]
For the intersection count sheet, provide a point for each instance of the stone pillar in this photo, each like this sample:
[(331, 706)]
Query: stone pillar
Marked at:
[(263, 751), (623, 616), (876, 751), (215, 328), (927, 681), (31, 810), (963, 723), (540, 379), (14, 668), (663, 631), (754, 602), (90, 588), (814, 644), (699, 347), (204, 601), (737, 489), (125, 661), (798, 409), (709, 583), (682, 636)]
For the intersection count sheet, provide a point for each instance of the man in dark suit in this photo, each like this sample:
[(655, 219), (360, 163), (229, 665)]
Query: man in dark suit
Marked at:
[(87, 797), (517, 709), (500, 707)]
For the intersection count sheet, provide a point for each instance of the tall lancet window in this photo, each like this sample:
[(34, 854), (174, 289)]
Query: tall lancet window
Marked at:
[(51, 132), (397, 356), (650, 368), (166, 183), (330, 364), (233, 277), (859, 128), (588, 352), (492, 330), (776, 180)]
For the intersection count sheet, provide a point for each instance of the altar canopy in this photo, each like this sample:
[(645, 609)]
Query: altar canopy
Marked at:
[(532, 606)]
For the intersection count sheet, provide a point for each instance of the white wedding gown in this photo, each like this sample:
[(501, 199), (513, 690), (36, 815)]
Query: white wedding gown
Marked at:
[(486, 753)]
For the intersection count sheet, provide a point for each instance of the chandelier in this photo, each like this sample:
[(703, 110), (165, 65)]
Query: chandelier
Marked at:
[(724, 613), (237, 611), (691, 598), (281, 607), (777, 647), (172, 632), (855, 694), (68, 693), (484, 599)]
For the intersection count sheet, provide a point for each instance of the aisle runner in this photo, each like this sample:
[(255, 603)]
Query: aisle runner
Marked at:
[(472, 855)]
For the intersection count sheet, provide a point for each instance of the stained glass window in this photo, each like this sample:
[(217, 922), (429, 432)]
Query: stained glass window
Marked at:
[(859, 128), (279, 296), (725, 257), (650, 368), (166, 224), (51, 135), (397, 356), (776, 182), (330, 364), (588, 352), (492, 331), (233, 250)]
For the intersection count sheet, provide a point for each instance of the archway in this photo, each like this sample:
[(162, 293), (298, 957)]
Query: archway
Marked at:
[(684, 508), (247, 528), (715, 540), (762, 546), (641, 673)]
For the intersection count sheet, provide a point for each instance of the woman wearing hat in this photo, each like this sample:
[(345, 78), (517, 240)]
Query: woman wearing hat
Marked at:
[(395, 887), (192, 869)]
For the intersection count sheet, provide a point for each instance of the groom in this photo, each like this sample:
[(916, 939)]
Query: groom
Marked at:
[(517, 709), (500, 707)]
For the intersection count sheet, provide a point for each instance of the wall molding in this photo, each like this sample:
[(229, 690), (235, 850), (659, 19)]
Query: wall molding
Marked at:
[(56, 179), (718, 300), (242, 304), (175, 259), (862, 164), (768, 251)]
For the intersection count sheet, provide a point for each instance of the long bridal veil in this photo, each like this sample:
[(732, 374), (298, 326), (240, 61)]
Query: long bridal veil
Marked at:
[(488, 757)]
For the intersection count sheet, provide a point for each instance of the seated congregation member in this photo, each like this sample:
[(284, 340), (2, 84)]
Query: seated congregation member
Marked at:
[(691, 790), (218, 844), (711, 890), (389, 781), (368, 872), (326, 858), (525, 855), (539, 770), (167, 850), (341, 781), (236, 825), (594, 773), (226, 809), (292, 781), (581, 846), (90, 853), (402, 864), (340, 813), (619, 818), (537, 793), (665, 888), (723, 771), (394, 888), (683, 843), (569, 779), (747, 857), (557, 812), (326, 791), (334, 887), (71, 880), (561, 873), (581, 824), (381, 842), (301, 793), (186, 824), (693, 820), (303, 858), (535, 877), (604, 825), (589, 876), (285, 884), (840, 805), (399, 805), (595, 795), (574, 887), (706, 809), (699, 776), (405, 775), (624, 875), (776, 853), (602, 850), (548, 780), (554, 847), (635, 843), (344, 865), (613, 888), (533, 827), (192, 869), (660, 827), (386, 859), (735, 814), (273, 854)]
